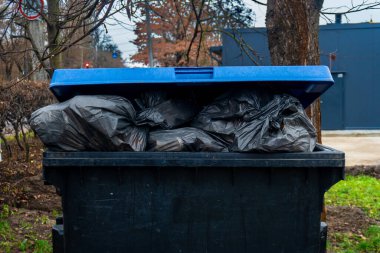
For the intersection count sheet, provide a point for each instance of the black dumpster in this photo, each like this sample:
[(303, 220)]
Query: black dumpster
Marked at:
[(189, 201)]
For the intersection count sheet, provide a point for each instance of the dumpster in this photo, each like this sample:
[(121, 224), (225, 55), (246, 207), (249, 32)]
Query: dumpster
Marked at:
[(192, 201)]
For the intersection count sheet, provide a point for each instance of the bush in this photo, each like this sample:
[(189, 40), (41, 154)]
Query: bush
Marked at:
[(16, 105)]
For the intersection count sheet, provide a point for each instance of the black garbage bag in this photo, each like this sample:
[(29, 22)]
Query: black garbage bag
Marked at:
[(151, 99), (281, 126), (91, 123), (229, 111), (184, 139), (169, 114), (258, 121)]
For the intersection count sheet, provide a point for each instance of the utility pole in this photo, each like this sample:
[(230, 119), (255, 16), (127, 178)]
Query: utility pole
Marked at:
[(149, 34)]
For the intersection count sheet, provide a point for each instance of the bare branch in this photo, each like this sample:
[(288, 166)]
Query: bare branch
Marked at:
[(258, 2), (364, 5)]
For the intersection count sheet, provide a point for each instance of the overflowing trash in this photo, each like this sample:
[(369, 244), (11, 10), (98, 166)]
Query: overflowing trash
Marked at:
[(168, 115), (251, 120), (248, 120), (93, 123), (184, 139)]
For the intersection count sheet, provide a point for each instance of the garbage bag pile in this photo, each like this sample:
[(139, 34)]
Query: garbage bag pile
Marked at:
[(237, 121), (254, 121), (94, 123)]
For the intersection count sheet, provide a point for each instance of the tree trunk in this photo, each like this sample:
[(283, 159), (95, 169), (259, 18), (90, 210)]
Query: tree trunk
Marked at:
[(292, 27), (8, 70), (53, 34), (36, 32), (17, 136)]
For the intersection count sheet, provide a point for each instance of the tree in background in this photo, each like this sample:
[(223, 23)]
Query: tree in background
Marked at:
[(62, 25), (292, 28), (12, 47), (108, 53), (96, 50), (183, 31), (61, 37)]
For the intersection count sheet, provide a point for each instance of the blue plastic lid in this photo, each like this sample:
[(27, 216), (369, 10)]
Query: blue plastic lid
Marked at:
[(304, 82)]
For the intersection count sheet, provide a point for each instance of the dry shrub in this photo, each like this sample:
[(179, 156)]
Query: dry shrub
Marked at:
[(16, 105)]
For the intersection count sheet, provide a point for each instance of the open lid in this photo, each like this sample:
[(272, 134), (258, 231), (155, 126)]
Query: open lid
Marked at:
[(306, 83)]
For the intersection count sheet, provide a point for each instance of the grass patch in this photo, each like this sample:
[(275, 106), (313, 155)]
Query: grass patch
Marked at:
[(363, 192), (5, 229), (22, 236), (351, 243), (12, 137), (359, 191), (42, 246)]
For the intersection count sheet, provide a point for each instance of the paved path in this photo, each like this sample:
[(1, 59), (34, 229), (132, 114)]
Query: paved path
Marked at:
[(361, 147)]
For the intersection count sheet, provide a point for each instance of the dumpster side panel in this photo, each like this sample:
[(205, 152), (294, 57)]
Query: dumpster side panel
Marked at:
[(181, 209)]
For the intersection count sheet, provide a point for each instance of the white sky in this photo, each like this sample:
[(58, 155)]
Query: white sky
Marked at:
[(123, 35)]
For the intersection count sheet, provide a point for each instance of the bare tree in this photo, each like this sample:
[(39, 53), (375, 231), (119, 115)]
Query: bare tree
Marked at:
[(183, 31), (66, 23)]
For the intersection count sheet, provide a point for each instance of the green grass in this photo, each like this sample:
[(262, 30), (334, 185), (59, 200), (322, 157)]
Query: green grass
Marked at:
[(5, 230), (42, 246), (359, 191), (10, 240), (351, 243), (38, 246), (362, 192), (11, 137)]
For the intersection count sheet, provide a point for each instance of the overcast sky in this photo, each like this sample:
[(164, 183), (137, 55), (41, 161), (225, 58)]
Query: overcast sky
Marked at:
[(122, 36)]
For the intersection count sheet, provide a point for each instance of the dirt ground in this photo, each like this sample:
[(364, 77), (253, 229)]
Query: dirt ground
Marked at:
[(369, 170), (21, 183), (346, 219), (22, 188)]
